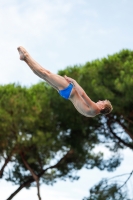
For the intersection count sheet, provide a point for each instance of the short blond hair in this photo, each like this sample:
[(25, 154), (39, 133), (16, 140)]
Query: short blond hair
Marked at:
[(107, 109)]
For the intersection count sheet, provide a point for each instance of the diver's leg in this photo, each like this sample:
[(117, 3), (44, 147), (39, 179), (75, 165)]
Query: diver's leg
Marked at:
[(56, 81)]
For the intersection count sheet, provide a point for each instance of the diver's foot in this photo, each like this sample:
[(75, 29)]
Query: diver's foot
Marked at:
[(23, 53)]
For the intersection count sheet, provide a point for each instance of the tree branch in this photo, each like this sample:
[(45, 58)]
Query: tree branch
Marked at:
[(31, 180), (104, 188), (5, 163), (129, 120), (118, 138), (118, 176), (126, 180), (35, 177), (21, 187), (125, 129)]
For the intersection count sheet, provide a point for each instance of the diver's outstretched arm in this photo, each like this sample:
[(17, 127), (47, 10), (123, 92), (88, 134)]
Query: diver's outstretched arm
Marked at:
[(80, 90)]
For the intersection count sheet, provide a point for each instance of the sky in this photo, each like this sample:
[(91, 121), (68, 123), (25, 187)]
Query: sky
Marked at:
[(58, 34)]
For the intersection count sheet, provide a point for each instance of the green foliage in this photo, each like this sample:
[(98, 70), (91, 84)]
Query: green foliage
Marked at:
[(47, 130), (105, 191)]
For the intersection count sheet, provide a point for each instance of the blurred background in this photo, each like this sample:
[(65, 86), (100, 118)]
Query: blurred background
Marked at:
[(60, 34)]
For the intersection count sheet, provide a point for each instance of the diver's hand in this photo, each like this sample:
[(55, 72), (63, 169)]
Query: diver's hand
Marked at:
[(69, 80)]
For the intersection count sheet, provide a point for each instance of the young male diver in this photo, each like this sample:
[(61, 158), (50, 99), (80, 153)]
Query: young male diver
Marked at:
[(68, 88)]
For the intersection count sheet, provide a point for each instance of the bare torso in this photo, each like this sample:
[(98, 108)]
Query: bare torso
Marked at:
[(81, 105)]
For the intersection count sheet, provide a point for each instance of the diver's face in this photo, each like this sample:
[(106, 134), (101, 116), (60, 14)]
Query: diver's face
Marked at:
[(101, 104)]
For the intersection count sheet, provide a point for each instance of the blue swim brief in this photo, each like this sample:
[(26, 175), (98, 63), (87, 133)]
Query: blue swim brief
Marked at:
[(65, 93)]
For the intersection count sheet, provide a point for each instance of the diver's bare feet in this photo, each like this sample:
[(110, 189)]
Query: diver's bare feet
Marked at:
[(23, 53)]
